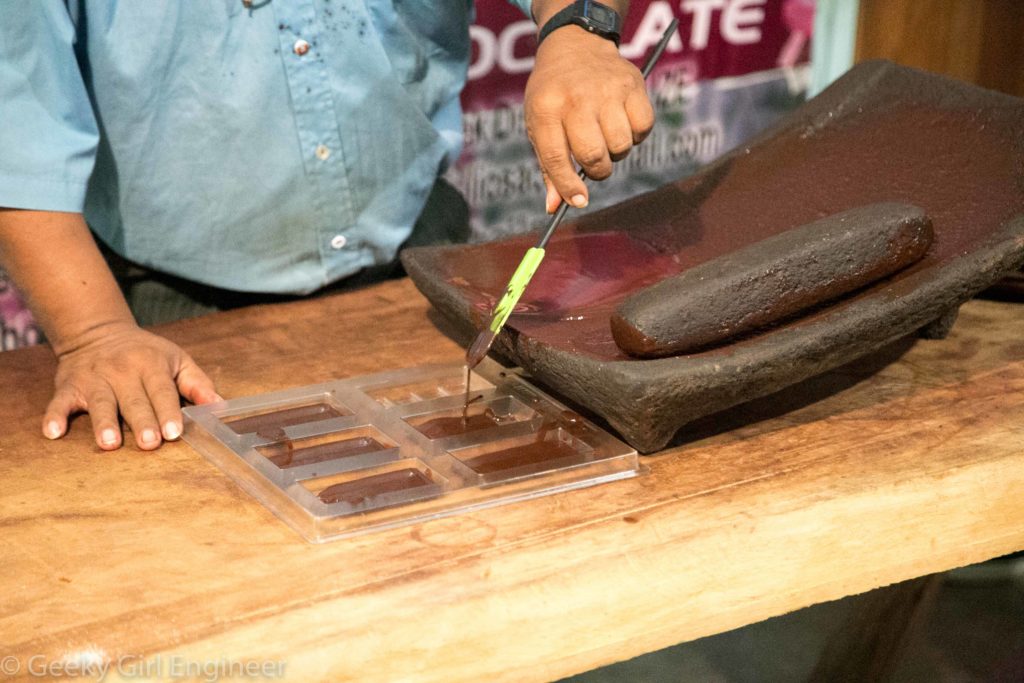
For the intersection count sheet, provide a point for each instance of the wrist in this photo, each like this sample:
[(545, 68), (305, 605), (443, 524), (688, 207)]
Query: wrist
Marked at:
[(543, 10), (573, 42), (82, 334), (594, 17)]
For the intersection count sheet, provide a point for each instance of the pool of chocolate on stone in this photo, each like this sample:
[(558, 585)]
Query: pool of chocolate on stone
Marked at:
[(946, 155), (373, 452)]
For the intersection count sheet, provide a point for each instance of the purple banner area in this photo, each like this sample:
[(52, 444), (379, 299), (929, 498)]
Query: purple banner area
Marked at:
[(715, 38), (17, 328), (732, 68)]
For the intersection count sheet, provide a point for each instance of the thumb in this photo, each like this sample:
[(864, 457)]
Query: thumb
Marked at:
[(553, 199), (194, 384)]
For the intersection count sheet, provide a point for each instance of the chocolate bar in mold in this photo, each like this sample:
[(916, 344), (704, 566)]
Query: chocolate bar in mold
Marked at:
[(524, 455), (270, 423), (401, 482), (330, 453), (444, 384), (478, 416)]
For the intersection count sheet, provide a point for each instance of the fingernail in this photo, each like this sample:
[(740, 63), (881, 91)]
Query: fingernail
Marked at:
[(579, 201), (172, 431), (108, 437), (52, 430), (148, 436)]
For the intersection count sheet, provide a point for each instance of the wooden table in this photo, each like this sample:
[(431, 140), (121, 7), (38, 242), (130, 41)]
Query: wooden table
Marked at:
[(900, 465)]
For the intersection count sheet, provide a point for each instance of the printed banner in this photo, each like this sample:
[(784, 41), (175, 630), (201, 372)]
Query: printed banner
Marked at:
[(732, 68)]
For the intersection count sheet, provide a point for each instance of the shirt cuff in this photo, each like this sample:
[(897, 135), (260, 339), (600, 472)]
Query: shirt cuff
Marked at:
[(41, 194), (524, 5)]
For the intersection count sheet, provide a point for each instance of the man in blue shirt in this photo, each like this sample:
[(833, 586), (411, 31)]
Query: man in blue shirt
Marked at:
[(269, 147)]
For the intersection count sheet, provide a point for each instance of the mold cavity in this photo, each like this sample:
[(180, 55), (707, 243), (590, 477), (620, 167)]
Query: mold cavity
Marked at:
[(270, 423), (403, 482), (474, 417), (426, 390), (365, 445), (525, 455)]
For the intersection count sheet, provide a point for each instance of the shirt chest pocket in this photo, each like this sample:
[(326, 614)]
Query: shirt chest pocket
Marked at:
[(414, 32)]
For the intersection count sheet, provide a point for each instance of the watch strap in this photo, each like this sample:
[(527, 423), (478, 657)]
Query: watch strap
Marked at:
[(578, 14)]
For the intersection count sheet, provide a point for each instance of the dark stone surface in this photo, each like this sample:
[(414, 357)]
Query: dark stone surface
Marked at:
[(941, 326), (770, 280), (1010, 288), (882, 133)]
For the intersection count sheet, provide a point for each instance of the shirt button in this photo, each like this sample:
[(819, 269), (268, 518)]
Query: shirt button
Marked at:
[(301, 47), (323, 152), (338, 242)]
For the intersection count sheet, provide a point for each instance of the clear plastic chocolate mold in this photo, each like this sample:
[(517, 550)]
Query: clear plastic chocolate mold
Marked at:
[(399, 447)]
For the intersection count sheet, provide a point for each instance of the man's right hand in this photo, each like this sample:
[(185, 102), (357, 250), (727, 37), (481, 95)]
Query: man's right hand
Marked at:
[(124, 369), (107, 365)]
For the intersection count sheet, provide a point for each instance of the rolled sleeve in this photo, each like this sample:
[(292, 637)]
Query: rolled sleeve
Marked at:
[(48, 132), (524, 5)]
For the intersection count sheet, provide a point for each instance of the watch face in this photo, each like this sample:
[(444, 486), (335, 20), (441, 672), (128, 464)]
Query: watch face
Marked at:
[(599, 17), (602, 16)]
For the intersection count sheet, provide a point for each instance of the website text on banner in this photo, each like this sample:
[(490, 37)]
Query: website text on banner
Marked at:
[(733, 68)]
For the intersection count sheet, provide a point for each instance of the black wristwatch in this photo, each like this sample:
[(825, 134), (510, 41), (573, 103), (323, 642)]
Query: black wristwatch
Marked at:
[(597, 18)]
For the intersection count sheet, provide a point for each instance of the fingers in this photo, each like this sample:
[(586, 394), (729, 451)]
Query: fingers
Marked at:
[(132, 375), (583, 103), (66, 401), (553, 153), (589, 148), (102, 406), (101, 403), (640, 114), (617, 131), (138, 414), (552, 199), (593, 139), (163, 396), (194, 384)]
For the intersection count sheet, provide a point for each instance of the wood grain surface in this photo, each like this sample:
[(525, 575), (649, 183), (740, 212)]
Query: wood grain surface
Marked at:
[(903, 464), (978, 41)]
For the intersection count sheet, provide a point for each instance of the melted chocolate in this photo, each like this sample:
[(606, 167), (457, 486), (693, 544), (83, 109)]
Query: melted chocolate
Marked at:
[(881, 133), (538, 456), (271, 425), (360, 491), (469, 401), (442, 427), (285, 455), (884, 154), (570, 418), (465, 406)]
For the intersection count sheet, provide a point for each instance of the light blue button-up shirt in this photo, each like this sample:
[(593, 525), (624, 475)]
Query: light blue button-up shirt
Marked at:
[(272, 150)]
